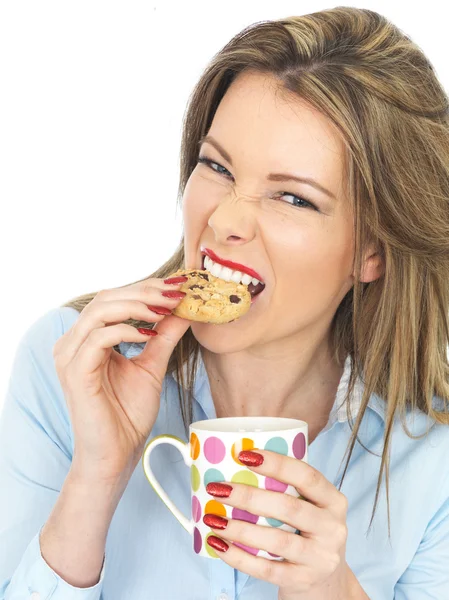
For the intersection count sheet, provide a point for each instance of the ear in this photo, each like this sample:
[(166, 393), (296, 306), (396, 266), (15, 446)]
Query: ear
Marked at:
[(373, 265)]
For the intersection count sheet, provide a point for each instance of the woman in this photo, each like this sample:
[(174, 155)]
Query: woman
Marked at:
[(349, 334)]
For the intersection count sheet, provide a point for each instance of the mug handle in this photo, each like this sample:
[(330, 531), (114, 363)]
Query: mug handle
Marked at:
[(184, 448)]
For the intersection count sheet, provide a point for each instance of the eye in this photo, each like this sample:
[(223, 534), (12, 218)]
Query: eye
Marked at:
[(297, 202)]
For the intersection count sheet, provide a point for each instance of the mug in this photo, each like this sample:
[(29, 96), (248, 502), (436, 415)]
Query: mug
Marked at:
[(212, 455)]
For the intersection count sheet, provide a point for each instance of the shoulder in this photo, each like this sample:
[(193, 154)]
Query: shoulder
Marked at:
[(40, 336), (34, 391)]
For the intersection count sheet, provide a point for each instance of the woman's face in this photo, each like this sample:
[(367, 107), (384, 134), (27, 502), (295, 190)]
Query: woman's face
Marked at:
[(295, 235)]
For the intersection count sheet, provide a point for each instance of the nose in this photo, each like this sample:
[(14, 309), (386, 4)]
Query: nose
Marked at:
[(233, 220)]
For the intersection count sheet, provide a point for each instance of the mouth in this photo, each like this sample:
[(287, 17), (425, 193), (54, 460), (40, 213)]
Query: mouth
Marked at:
[(231, 271)]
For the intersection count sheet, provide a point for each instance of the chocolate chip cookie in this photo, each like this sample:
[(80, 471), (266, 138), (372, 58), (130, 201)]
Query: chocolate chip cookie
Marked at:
[(210, 299)]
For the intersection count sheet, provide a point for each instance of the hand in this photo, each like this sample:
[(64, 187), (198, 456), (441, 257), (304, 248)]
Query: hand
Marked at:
[(113, 401), (315, 559)]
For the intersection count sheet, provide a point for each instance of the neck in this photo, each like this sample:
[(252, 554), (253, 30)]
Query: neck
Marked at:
[(279, 384)]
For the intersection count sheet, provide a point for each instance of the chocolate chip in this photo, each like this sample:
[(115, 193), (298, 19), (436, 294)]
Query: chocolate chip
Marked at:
[(200, 287), (204, 276), (196, 297), (234, 299)]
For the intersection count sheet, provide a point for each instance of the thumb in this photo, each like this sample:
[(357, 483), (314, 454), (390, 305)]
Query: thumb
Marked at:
[(157, 351)]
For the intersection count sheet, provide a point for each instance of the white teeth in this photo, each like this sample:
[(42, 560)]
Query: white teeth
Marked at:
[(228, 274)]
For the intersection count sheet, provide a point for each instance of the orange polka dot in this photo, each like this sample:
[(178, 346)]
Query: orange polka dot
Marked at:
[(194, 446), (239, 446), (215, 508)]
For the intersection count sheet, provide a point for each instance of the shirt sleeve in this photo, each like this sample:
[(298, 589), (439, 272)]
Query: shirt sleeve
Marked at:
[(36, 448), (427, 576)]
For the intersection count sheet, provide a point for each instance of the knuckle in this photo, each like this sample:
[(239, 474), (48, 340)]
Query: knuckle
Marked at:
[(333, 562), (292, 508), (312, 478), (101, 295), (344, 502), (246, 493), (267, 571), (341, 533), (286, 542), (147, 286)]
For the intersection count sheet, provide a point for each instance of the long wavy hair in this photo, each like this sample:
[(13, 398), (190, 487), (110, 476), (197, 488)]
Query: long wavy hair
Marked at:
[(381, 92)]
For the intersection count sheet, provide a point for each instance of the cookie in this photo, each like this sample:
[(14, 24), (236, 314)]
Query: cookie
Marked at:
[(210, 299)]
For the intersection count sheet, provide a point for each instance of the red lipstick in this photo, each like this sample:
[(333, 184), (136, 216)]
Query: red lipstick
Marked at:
[(230, 264)]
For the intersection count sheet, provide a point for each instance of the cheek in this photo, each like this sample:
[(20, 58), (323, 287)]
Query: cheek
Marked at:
[(313, 262)]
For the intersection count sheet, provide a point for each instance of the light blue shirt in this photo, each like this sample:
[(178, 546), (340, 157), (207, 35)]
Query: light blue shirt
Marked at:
[(149, 556)]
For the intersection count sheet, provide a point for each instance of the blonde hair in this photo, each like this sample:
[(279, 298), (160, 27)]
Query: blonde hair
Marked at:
[(381, 92)]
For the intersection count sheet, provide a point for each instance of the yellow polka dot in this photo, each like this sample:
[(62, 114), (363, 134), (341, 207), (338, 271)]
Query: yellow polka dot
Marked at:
[(194, 446), (215, 508), (239, 446), (194, 478), (247, 477)]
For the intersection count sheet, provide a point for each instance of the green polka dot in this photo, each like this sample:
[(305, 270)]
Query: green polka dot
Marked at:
[(195, 478), (210, 550), (212, 475), (247, 477), (274, 522), (277, 444)]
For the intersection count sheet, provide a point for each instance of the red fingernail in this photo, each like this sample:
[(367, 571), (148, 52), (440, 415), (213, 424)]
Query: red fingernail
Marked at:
[(174, 294), (217, 543), (160, 310), (146, 331), (250, 459), (215, 521), (181, 279), (220, 490)]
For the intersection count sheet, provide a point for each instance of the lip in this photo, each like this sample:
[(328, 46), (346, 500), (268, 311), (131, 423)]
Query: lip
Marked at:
[(231, 265)]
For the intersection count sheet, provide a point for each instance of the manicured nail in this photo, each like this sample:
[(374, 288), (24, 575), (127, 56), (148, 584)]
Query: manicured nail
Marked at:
[(146, 331), (174, 294), (215, 521), (160, 310), (217, 543), (220, 490), (172, 280), (250, 459)]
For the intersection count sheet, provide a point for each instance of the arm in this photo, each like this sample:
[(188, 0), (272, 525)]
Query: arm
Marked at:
[(427, 576), (73, 539), (38, 485)]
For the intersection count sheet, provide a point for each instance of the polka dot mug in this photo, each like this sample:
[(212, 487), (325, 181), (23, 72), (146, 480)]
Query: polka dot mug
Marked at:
[(212, 455)]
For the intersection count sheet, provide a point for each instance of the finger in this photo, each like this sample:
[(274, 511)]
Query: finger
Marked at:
[(286, 508), (307, 480), (290, 546), (93, 351), (111, 307), (156, 353), (279, 573)]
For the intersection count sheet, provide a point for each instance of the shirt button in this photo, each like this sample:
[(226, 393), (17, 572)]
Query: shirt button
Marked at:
[(35, 596), (223, 596)]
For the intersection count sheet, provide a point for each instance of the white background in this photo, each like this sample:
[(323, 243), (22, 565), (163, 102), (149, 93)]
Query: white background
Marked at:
[(92, 96)]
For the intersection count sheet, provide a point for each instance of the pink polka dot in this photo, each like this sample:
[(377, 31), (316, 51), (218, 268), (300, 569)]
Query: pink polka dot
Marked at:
[(196, 509), (197, 541), (244, 515), (214, 450), (299, 446), (275, 485), (247, 548)]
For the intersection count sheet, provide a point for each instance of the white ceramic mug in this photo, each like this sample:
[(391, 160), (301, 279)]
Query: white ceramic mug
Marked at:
[(212, 455)]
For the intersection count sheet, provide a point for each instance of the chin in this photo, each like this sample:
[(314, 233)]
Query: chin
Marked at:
[(220, 339)]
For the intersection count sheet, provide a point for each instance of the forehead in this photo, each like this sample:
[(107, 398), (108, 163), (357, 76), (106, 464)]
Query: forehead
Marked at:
[(258, 118)]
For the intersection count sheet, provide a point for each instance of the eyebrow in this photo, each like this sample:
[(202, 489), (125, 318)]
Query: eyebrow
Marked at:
[(271, 176)]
